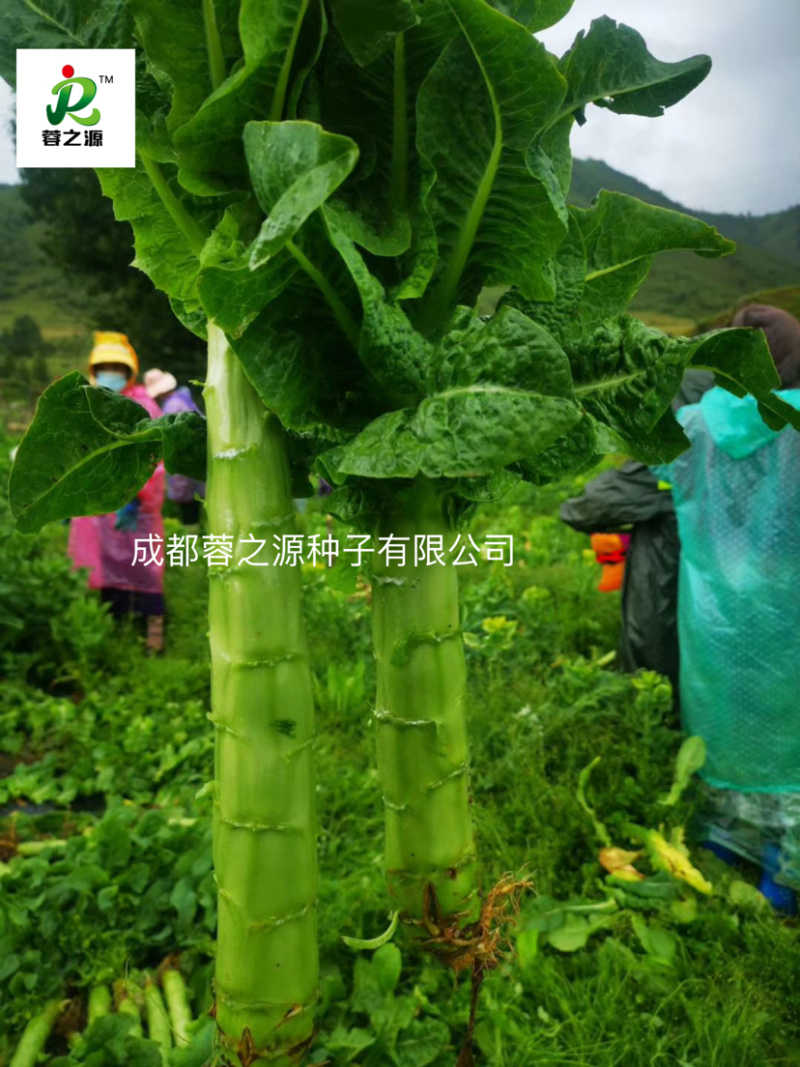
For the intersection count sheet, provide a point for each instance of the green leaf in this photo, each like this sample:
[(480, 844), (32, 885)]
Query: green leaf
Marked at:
[(387, 935), (626, 374), (209, 144), (741, 363), (611, 67), (294, 166), (86, 452), (184, 444), (369, 27), (297, 352), (231, 292), (387, 964), (621, 234), (658, 943), (89, 451), (573, 935), (607, 255), (166, 249), (535, 15), (502, 392), (173, 34), (350, 1042), (691, 757), (60, 24), (388, 345), (421, 1043), (488, 97)]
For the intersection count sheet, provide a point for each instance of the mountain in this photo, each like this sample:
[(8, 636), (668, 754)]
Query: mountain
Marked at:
[(681, 284)]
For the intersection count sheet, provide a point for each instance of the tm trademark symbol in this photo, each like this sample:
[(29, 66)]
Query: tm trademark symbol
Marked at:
[(107, 79)]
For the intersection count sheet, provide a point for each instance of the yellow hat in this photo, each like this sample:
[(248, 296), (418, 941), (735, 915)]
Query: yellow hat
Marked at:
[(112, 347)]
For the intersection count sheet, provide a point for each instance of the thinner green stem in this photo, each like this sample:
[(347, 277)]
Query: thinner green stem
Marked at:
[(216, 60), (279, 96), (399, 173), (341, 313), (190, 229)]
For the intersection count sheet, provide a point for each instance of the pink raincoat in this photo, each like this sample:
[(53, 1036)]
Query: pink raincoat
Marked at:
[(109, 553)]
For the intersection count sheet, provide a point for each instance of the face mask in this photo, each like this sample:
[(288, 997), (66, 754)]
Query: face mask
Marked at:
[(111, 379)]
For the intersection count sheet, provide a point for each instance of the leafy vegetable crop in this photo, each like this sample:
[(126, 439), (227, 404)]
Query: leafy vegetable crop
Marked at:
[(324, 190)]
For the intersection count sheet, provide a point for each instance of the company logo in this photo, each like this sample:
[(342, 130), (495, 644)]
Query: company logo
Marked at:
[(84, 118), (63, 107)]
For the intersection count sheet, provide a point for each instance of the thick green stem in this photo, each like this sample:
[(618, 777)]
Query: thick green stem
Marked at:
[(262, 709), (423, 759)]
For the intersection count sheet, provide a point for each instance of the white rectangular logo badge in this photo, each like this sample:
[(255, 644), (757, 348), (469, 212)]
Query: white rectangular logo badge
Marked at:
[(76, 107)]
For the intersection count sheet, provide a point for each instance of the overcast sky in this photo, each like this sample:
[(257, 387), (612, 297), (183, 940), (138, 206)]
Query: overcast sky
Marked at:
[(733, 145)]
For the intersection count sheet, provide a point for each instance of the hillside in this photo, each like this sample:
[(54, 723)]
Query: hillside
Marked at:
[(683, 289), (684, 285)]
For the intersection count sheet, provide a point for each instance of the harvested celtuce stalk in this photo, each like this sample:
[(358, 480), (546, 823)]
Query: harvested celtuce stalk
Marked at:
[(99, 1003), (180, 1015), (159, 1028), (36, 1034)]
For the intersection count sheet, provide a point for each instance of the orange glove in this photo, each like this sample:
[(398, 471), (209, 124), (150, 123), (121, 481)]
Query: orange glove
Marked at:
[(610, 551)]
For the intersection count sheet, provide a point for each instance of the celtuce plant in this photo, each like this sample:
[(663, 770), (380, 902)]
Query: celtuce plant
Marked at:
[(326, 190)]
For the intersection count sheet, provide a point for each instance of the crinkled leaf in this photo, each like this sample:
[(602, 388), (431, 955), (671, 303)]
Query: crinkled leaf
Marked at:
[(534, 14), (389, 347), (502, 392), (87, 452), (184, 444), (491, 93), (626, 374), (209, 144), (607, 255), (742, 364), (60, 24), (294, 166), (173, 34), (369, 27), (611, 67)]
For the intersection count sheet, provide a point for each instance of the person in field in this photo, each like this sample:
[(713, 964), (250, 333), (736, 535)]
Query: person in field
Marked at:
[(163, 387), (737, 500), (630, 518), (106, 544)]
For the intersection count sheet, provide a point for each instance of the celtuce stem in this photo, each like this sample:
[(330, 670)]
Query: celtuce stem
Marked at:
[(36, 1034), (158, 1024), (99, 1003), (420, 719), (262, 709)]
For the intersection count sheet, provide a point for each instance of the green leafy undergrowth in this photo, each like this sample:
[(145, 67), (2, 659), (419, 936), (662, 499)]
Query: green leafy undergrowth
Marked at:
[(640, 984), (124, 891)]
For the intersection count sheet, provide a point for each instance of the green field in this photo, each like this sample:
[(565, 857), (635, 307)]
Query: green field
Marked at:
[(105, 835)]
